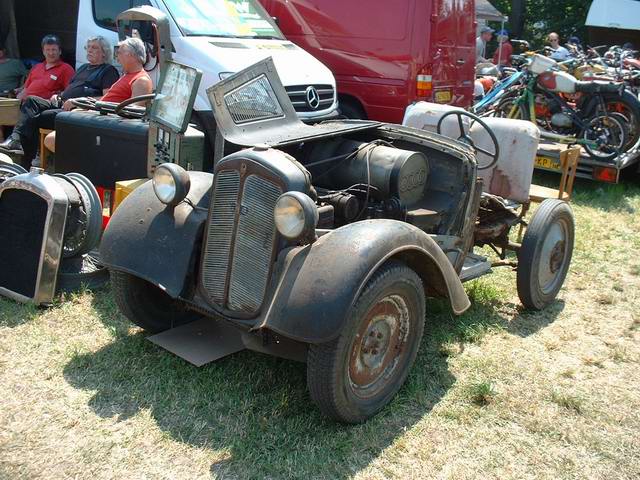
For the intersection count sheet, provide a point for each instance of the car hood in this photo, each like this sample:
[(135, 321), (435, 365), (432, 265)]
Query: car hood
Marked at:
[(252, 108)]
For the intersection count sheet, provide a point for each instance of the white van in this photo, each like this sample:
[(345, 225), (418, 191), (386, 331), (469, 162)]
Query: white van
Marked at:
[(614, 22), (219, 37)]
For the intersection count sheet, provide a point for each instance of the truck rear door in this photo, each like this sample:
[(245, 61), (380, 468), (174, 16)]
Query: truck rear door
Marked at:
[(465, 53), (452, 43)]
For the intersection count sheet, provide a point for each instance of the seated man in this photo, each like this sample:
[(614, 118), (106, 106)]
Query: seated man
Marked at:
[(134, 81), (92, 79), (49, 77), (11, 71)]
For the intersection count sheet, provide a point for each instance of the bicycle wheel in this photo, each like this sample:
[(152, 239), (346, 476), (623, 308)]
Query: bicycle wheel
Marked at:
[(509, 108)]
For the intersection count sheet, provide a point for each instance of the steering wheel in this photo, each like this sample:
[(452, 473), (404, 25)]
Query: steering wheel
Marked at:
[(123, 109), (86, 103), (465, 138)]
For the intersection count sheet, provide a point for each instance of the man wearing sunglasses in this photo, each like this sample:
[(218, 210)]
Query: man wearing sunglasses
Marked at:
[(558, 52)]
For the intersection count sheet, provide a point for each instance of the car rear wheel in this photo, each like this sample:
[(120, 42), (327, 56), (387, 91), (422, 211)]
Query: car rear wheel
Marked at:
[(147, 305), (545, 255), (354, 376)]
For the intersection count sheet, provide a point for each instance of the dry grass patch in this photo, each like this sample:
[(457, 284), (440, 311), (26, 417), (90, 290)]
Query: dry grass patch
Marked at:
[(496, 393)]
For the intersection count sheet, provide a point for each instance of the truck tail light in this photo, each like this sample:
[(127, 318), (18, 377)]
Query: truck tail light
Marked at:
[(424, 82), (605, 174)]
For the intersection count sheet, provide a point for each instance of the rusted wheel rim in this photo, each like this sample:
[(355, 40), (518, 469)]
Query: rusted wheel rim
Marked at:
[(379, 347), (553, 256)]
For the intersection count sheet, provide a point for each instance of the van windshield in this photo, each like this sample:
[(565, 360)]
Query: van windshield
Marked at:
[(222, 18)]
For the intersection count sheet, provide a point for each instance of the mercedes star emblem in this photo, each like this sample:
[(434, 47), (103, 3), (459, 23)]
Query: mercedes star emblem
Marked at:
[(313, 99)]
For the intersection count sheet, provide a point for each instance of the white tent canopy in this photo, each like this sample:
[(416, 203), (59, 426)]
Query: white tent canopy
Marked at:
[(486, 11), (614, 14)]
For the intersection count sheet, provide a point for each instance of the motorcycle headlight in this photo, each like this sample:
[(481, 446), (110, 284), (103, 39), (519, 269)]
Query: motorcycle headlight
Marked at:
[(296, 216), (171, 183)]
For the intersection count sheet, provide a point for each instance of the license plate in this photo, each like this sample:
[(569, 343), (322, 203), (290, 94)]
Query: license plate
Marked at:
[(443, 96), (548, 163)]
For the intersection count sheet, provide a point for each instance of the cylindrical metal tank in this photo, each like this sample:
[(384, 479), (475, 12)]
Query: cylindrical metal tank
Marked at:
[(558, 82), (392, 171), (511, 176), (426, 115)]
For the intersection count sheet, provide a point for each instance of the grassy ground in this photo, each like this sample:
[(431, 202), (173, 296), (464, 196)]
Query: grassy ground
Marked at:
[(496, 393)]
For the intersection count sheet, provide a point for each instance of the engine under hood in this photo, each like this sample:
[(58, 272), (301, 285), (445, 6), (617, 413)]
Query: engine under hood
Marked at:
[(252, 108)]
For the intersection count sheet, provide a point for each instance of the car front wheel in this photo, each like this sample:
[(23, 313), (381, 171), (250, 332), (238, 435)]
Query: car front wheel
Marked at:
[(147, 305), (354, 376)]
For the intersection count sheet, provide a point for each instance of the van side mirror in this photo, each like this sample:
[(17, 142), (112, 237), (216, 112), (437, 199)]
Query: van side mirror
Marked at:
[(144, 31), (152, 27), (276, 20)]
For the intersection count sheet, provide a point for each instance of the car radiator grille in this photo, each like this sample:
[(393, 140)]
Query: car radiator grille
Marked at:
[(219, 233), (23, 217), (298, 96), (240, 241)]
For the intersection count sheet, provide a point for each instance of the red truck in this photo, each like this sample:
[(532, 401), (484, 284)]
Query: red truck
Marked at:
[(386, 55)]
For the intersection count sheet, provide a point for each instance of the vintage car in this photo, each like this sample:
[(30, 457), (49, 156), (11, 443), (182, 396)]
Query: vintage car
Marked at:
[(320, 243)]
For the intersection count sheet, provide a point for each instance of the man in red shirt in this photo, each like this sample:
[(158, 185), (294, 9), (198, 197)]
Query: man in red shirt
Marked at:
[(135, 80), (51, 76)]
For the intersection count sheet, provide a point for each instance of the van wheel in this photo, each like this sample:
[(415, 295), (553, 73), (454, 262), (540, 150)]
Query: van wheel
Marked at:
[(354, 376), (351, 110), (146, 305), (545, 255)]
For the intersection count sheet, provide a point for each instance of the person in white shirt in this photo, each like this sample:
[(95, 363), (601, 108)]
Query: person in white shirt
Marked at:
[(558, 52), (481, 44)]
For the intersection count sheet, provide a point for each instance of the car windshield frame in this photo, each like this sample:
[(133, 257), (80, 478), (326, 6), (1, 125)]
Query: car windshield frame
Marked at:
[(223, 18)]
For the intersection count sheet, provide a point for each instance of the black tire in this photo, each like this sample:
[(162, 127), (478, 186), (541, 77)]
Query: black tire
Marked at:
[(611, 127), (146, 305), (83, 270), (352, 110), (548, 242), (371, 348)]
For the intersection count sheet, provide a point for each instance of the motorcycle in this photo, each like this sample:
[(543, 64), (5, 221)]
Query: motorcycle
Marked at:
[(601, 116)]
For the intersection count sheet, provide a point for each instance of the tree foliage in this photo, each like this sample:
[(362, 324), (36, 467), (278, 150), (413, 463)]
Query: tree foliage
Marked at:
[(532, 20)]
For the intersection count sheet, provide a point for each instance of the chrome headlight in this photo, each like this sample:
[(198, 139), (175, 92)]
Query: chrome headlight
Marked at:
[(171, 183), (296, 216)]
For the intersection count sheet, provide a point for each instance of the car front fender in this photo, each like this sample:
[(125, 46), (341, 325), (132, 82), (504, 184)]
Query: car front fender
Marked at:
[(155, 242), (319, 283)]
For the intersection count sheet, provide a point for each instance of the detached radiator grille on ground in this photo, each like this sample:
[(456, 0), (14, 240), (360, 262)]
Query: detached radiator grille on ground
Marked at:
[(240, 241), (22, 215)]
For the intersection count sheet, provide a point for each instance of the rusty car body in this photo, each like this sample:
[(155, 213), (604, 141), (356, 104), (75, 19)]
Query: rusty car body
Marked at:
[(318, 243)]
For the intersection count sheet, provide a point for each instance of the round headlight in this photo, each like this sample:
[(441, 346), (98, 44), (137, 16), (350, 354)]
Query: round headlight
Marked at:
[(296, 216), (171, 183)]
